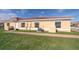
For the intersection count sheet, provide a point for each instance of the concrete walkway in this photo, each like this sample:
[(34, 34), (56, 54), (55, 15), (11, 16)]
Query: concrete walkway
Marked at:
[(46, 34)]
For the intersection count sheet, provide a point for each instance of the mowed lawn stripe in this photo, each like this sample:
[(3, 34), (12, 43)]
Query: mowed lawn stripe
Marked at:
[(12, 41)]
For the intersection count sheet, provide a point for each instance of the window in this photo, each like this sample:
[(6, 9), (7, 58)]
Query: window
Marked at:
[(36, 24), (8, 24), (22, 24), (58, 24)]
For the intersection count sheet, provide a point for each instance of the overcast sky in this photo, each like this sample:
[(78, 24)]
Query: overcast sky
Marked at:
[(27, 13)]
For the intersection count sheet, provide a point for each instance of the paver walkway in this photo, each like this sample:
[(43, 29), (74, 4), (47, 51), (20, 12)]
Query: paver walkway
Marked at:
[(46, 34)]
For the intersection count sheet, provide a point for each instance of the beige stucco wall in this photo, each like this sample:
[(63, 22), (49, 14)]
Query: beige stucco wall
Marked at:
[(28, 25), (11, 24), (48, 26), (77, 25), (65, 25), (5, 26)]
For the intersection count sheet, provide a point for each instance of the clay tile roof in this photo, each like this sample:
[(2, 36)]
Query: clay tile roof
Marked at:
[(70, 17)]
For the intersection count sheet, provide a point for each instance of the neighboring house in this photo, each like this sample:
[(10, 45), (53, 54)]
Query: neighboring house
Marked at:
[(49, 24), (75, 24), (1, 23)]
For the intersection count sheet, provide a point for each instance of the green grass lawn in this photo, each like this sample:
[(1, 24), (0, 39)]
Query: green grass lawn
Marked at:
[(9, 41)]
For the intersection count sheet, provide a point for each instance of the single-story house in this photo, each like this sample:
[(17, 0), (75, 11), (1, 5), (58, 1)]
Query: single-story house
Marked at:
[(49, 24)]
